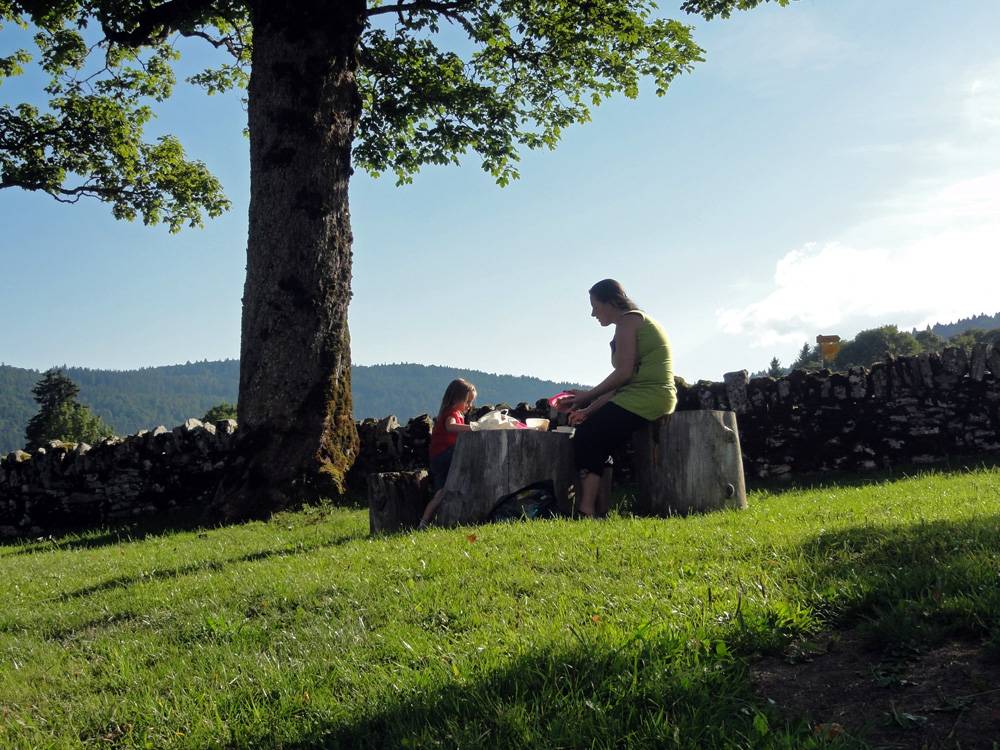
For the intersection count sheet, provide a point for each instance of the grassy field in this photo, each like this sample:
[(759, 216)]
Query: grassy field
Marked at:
[(303, 632)]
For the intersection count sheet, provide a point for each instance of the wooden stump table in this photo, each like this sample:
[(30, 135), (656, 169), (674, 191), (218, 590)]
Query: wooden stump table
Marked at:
[(689, 462), (490, 464)]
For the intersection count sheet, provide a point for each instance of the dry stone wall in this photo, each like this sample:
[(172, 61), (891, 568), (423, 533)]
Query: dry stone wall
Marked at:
[(67, 486), (908, 411), (912, 410)]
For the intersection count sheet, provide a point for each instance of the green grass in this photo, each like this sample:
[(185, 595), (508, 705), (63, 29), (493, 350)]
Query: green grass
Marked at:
[(303, 632)]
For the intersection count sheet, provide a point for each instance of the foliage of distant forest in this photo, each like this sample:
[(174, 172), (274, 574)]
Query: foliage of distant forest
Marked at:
[(141, 399), (873, 344), (980, 322), (137, 399)]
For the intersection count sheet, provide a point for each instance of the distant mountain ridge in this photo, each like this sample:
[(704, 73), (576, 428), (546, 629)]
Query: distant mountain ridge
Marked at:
[(982, 321), (131, 400)]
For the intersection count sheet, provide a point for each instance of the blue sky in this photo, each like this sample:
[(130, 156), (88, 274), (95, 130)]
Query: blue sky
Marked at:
[(829, 168)]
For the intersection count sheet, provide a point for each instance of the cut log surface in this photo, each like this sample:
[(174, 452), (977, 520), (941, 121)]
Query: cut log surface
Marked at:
[(689, 462), (490, 464), (396, 500)]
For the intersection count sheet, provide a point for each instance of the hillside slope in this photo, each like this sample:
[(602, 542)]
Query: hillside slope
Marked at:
[(136, 399)]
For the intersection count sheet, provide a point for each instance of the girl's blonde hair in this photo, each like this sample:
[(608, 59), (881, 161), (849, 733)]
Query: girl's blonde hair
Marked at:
[(458, 390)]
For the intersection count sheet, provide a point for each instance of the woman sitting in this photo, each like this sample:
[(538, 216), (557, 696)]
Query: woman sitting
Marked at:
[(640, 389)]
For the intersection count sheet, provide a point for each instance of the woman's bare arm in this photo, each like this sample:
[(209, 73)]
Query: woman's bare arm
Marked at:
[(625, 353)]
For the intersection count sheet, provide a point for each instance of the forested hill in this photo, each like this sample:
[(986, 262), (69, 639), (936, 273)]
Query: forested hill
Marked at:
[(136, 399), (981, 322)]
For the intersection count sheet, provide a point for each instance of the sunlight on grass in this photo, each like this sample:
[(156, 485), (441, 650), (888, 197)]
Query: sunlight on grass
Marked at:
[(305, 632)]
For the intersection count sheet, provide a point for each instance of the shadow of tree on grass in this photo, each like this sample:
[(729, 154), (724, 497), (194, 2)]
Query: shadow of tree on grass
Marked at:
[(912, 584)]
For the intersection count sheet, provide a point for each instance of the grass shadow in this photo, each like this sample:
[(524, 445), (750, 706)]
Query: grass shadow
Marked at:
[(911, 585), (207, 566), (641, 693), (155, 525)]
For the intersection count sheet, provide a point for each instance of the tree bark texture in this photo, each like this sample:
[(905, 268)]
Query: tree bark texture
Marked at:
[(396, 500), (295, 368), (488, 465), (689, 462)]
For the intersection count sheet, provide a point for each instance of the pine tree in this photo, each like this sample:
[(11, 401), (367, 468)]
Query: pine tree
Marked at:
[(775, 370), (60, 417), (808, 358)]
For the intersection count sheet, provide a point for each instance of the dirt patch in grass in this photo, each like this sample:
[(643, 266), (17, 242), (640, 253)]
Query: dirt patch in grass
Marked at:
[(945, 697)]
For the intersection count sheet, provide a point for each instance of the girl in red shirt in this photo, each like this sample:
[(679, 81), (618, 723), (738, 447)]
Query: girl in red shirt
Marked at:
[(457, 401)]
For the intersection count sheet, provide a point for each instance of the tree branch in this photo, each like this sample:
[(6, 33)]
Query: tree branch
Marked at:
[(152, 24), (450, 10), (435, 5), (227, 41)]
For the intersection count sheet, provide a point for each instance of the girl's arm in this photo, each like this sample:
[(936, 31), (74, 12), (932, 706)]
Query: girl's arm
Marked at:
[(453, 425), (625, 345)]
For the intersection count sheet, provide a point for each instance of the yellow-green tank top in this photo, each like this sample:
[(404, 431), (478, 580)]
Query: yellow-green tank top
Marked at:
[(651, 392)]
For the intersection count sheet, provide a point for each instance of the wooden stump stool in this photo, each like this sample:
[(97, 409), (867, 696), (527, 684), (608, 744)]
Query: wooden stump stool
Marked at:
[(490, 464), (689, 462), (396, 500)]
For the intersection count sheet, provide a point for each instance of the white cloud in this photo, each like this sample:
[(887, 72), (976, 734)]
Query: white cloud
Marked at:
[(933, 256), (929, 253), (982, 98)]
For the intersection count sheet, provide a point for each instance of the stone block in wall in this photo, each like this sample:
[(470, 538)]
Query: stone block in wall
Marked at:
[(977, 361), (190, 425), (815, 387), (687, 397), (416, 441), (912, 376), (993, 358), (705, 394), (225, 427), (736, 390), (522, 411), (878, 378), (840, 387), (951, 367), (921, 370), (761, 394), (857, 383)]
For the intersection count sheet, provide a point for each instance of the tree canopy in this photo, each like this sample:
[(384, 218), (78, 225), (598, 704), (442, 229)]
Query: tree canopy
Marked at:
[(437, 78)]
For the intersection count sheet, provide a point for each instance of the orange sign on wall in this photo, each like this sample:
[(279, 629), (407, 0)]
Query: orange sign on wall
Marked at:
[(828, 346)]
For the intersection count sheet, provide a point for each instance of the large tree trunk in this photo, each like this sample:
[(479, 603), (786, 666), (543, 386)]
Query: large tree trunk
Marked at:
[(295, 411)]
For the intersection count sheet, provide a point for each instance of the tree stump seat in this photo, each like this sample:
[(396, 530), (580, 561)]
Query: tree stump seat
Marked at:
[(689, 462), (396, 500)]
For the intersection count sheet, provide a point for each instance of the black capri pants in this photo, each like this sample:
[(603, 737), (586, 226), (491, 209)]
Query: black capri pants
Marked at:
[(604, 431)]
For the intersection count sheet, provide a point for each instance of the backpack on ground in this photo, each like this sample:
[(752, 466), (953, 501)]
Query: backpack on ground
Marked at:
[(535, 501)]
